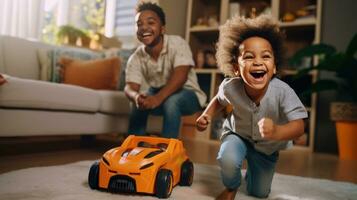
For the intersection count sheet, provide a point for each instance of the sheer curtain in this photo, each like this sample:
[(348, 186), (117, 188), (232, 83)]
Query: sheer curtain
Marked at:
[(21, 18)]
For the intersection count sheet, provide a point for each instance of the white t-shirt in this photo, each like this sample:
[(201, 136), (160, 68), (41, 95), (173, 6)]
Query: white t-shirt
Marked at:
[(142, 68)]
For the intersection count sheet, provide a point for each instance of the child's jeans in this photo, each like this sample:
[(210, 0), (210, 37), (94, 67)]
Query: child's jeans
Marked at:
[(260, 169), (182, 102)]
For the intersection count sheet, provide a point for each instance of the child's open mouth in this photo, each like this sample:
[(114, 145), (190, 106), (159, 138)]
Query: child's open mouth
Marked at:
[(258, 74)]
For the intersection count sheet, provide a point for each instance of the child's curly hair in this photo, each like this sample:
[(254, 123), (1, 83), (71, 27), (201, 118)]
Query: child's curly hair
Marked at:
[(153, 7), (237, 29)]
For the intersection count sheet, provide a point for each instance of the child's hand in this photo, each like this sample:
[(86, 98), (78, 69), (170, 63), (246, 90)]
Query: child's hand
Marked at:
[(202, 122), (2, 79), (266, 128)]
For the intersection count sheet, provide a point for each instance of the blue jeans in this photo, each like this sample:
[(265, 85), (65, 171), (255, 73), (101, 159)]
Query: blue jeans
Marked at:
[(182, 102), (260, 169)]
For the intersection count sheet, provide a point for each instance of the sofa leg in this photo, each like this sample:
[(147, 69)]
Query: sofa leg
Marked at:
[(87, 141)]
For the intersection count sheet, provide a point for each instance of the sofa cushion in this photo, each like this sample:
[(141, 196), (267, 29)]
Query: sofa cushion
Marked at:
[(95, 74), (20, 56), (49, 60), (20, 122), (34, 94), (114, 102)]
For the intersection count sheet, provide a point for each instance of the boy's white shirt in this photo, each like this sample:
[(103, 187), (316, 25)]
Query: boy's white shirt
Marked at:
[(176, 52)]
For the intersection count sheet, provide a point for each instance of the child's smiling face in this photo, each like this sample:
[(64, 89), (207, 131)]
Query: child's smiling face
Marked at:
[(256, 63), (149, 28)]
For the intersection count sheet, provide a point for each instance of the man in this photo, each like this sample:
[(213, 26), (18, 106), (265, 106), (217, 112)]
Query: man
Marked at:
[(165, 63)]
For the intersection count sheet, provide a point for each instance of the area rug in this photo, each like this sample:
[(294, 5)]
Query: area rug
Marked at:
[(69, 182)]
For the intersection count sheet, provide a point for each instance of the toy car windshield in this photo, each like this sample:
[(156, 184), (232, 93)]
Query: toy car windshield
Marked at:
[(161, 146)]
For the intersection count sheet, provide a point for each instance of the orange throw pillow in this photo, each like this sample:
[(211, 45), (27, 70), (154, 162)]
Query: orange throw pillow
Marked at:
[(96, 74)]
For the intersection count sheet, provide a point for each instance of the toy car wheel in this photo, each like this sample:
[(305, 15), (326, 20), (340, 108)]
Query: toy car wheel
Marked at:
[(186, 177), (163, 184), (93, 176)]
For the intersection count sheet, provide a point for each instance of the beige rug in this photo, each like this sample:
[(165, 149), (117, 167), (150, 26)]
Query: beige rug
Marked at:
[(70, 182)]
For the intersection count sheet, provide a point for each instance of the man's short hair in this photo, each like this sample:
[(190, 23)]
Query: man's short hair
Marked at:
[(152, 7)]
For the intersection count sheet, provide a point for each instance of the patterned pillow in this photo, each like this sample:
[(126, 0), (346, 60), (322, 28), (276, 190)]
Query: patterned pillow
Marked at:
[(45, 58), (124, 55), (50, 68), (49, 60)]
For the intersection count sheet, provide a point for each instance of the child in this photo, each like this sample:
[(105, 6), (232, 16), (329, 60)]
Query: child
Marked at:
[(266, 114), (165, 63)]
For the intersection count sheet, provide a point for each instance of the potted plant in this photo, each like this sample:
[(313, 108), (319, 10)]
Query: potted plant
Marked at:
[(68, 34), (343, 112)]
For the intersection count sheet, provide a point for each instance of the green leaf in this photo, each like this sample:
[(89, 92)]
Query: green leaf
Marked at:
[(303, 72), (309, 51), (352, 46), (347, 69), (332, 63), (354, 90), (323, 85)]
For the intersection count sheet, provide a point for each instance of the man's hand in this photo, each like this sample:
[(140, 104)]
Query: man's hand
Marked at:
[(151, 102), (202, 122), (2, 79), (139, 100), (266, 128), (142, 101)]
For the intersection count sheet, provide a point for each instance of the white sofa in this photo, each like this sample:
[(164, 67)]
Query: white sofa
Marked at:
[(30, 106)]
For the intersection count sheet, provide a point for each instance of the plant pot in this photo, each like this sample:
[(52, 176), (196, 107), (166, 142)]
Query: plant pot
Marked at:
[(345, 116)]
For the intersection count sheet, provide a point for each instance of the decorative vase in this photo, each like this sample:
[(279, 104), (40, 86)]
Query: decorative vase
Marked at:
[(345, 117)]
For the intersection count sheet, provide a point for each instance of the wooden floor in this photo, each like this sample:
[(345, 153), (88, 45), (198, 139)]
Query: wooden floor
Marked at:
[(19, 153)]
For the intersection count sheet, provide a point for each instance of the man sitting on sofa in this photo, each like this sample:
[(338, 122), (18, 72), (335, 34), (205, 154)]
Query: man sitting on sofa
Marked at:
[(165, 63)]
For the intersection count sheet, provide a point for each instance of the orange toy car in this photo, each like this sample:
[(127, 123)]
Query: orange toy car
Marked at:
[(141, 164)]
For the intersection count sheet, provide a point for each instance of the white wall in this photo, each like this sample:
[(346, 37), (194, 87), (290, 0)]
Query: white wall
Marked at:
[(175, 11)]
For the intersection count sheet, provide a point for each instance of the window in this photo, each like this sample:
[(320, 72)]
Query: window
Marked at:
[(85, 15), (120, 21)]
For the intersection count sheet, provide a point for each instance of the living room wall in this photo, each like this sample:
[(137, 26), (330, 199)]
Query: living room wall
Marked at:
[(175, 11), (338, 27)]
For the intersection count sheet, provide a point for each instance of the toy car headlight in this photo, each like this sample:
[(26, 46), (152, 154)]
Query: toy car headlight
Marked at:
[(105, 161), (146, 165)]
